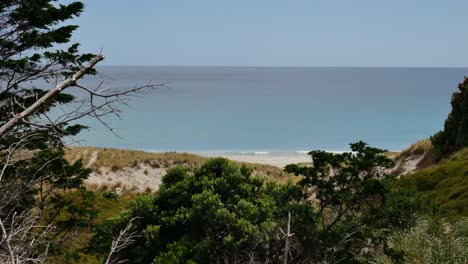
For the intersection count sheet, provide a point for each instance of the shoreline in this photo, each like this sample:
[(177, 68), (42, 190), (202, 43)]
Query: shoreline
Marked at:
[(279, 160)]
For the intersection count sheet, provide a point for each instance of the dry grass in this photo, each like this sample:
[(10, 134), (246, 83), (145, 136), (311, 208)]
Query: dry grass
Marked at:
[(418, 156), (430, 241), (120, 158), (418, 148), (114, 160)]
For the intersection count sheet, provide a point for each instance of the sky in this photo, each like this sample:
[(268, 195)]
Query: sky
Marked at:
[(323, 33)]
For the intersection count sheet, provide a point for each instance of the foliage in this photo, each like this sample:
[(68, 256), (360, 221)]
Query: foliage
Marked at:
[(432, 240), (30, 34), (445, 184), (111, 195), (74, 249), (344, 207), (356, 202), (35, 177), (455, 134), (220, 212)]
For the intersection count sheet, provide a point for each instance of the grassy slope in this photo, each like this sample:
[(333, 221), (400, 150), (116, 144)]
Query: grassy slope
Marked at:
[(421, 153), (75, 247), (445, 184)]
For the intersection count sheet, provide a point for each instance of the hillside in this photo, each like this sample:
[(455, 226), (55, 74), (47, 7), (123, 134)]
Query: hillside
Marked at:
[(445, 183), (418, 156), (130, 171)]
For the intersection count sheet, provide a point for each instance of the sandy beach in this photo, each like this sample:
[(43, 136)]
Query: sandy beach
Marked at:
[(278, 160)]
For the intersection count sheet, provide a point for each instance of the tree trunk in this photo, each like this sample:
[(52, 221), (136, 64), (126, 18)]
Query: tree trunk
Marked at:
[(70, 81)]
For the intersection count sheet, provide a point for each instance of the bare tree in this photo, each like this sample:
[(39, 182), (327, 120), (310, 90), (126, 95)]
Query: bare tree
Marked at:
[(99, 103), (121, 241), (287, 235), (70, 81), (21, 237)]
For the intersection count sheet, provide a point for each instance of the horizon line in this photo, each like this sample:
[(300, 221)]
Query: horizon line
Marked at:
[(281, 66)]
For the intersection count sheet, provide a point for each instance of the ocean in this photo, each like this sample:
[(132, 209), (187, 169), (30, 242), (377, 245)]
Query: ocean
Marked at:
[(268, 110)]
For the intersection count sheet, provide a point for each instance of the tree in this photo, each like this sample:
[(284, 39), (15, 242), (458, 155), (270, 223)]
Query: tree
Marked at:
[(37, 63), (455, 134), (354, 200)]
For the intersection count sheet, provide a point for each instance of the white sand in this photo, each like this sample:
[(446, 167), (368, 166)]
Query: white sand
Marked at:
[(278, 160), (144, 178)]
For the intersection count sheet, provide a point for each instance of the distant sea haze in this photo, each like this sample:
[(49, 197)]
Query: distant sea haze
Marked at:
[(267, 110)]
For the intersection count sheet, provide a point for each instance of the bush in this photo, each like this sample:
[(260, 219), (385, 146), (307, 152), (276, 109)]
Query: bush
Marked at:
[(219, 212), (111, 195), (445, 184)]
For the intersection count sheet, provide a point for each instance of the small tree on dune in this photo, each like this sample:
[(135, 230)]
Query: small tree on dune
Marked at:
[(357, 207)]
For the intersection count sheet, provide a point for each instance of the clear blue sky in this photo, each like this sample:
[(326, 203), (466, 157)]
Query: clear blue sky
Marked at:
[(429, 33)]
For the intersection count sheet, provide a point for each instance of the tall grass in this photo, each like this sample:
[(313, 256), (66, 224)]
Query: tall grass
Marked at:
[(445, 184), (417, 148), (430, 241)]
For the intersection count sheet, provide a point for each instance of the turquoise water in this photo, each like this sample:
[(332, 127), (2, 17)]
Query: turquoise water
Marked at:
[(250, 109)]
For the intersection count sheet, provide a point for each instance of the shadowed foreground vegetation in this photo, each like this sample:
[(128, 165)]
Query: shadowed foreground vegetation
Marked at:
[(431, 240)]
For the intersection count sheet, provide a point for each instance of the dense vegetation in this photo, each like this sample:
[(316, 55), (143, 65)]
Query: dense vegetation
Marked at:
[(455, 134), (35, 212), (343, 209), (445, 184), (431, 240)]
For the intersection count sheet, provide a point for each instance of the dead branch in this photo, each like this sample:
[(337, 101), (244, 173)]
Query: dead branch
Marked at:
[(21, 237), (287, 235), (57, 89), (124, 239)]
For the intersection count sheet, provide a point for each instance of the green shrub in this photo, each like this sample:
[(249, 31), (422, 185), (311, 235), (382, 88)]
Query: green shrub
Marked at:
[(111, 195), (445, 184), (221, 211)]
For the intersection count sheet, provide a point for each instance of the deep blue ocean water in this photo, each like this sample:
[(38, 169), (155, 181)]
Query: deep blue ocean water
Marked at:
[(262, 109)]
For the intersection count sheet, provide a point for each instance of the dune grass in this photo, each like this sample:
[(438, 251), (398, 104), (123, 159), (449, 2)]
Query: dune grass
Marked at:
[(432, 240), (417, 148), (117, 159)]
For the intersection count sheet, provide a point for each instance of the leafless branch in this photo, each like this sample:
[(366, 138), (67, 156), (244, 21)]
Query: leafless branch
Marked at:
[(123, 240), (53, 92), (20, 238)]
